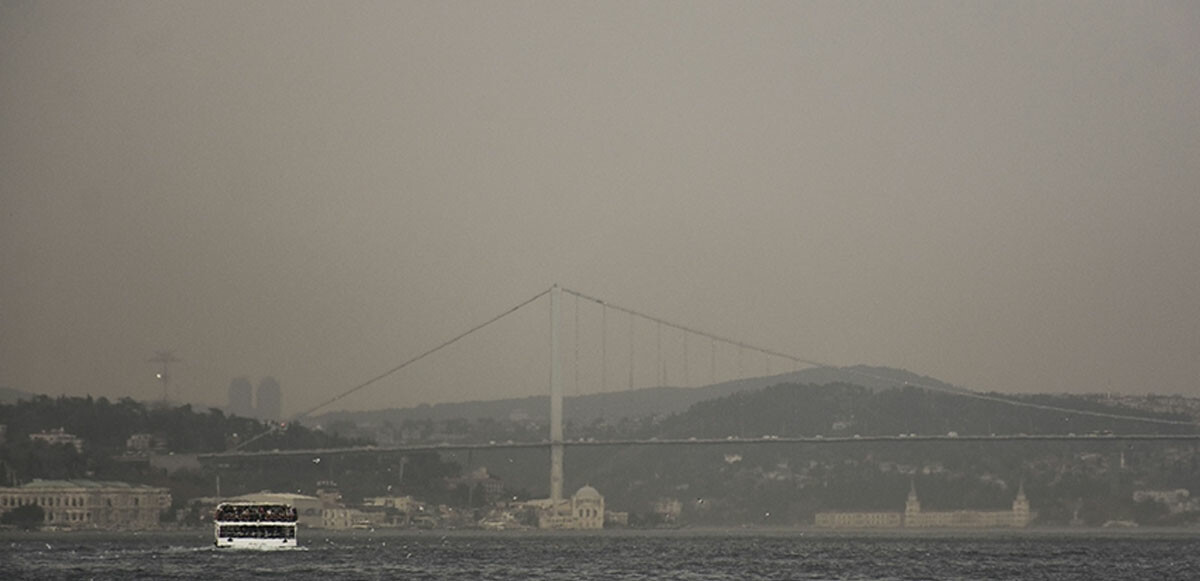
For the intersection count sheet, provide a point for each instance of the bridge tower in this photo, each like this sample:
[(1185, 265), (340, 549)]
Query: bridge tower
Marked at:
[(556, 404)]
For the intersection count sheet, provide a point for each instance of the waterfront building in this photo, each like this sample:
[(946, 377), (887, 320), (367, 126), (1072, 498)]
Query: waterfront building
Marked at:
[(616, 518), (913, 517), (668, 509), (342, 518), (58, 436), (391, 510), (584, 510), (859, 520), (1019, 516), (403, 504), (90, 504), (145, 444), (491, 486), (1176, 501)]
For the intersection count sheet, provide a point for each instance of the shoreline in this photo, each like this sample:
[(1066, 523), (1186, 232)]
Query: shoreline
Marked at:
[(683, 532)]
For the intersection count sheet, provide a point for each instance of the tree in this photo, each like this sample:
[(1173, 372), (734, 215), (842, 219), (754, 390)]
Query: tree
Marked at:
[(28, 516)]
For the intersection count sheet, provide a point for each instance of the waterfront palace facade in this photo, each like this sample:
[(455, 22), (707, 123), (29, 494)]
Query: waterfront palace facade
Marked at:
[(914, 517), (90, 504)]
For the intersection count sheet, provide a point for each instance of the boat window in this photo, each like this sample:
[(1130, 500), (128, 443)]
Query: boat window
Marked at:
[(257, 531)]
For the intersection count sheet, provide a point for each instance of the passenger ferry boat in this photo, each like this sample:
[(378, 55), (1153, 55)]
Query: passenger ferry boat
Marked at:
[(253, 525)]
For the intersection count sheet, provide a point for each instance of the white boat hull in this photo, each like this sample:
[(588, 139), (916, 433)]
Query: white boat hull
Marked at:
[(256, 544)]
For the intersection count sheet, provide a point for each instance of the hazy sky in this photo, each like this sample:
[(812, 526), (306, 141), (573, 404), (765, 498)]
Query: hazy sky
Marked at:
[(1002, 195)]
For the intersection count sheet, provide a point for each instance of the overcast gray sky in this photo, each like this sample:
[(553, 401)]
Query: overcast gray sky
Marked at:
[(1002, 195)]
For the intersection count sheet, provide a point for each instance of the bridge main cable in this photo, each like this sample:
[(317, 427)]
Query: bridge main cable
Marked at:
[(958, 392), (422, 355), (381, 376), (696, 332)]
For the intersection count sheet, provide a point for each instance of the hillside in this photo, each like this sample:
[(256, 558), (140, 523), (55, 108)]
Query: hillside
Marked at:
[(845, 409), (632, 404), (10, 395), (1093, 480)]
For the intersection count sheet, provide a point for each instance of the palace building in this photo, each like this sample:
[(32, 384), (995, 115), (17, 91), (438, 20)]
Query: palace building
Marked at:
[(90, 504), (914, 517)]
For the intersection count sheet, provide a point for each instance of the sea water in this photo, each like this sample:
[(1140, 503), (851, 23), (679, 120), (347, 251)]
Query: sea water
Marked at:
[(680, 554)]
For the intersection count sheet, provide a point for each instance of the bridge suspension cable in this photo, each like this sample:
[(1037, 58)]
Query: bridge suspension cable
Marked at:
[(422, 355), (603, 348), (800, 360), (576, 346), (381, 376), (693, 331), (742, 346), (1027, 404), (631, 349)]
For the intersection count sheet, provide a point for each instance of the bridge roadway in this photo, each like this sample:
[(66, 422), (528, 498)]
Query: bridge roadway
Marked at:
[(727, 441)]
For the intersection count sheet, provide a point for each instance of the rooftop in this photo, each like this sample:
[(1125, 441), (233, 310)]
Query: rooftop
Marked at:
[(41, 484)]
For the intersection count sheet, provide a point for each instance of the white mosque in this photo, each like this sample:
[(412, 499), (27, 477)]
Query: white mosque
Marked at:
[(584, 510)]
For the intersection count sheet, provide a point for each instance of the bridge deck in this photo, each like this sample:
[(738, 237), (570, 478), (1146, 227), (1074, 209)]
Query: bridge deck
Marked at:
[(728, 441)]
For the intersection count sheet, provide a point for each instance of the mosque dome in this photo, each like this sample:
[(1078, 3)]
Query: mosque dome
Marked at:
[(587, 492)]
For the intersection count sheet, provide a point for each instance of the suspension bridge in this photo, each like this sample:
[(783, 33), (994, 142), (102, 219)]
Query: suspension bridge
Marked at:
[(692, 339)]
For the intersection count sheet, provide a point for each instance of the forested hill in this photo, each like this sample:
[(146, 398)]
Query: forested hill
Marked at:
[(845, 409), (1090, 481), (634, 403), (105, 426)]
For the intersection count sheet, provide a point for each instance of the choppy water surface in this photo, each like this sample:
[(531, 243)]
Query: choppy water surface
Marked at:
[(610, 555)]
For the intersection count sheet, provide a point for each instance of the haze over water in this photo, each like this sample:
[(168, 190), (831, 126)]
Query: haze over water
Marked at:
[(1001, 195)]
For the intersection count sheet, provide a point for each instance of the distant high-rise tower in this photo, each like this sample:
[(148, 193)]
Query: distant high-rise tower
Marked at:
[(240, 397), (270, 399)]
